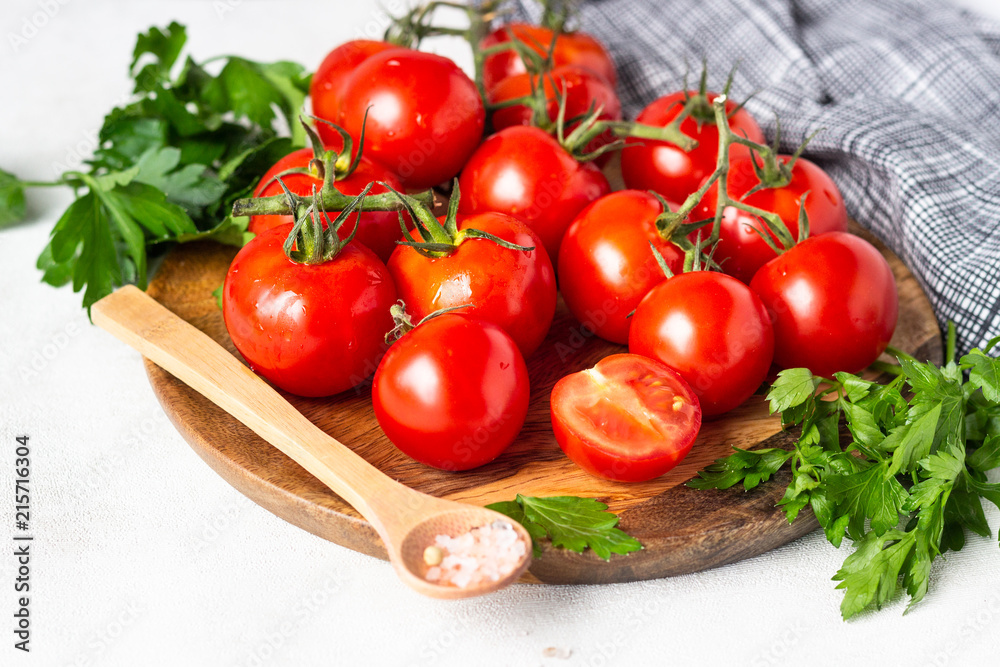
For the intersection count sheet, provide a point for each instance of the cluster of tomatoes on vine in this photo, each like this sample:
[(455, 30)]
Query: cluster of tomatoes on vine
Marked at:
[(722, 260)]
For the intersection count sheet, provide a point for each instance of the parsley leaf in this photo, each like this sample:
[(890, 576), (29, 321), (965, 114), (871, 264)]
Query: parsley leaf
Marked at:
[(92, 265), (930, 387), (984, 373), (965, 506), (862, 425), (166, 46), (987, 456), (793, 387), (569, 522), (990, 492), (750, 467), (102, 237), (251, 90), (855, 388), (916, 441), (870, 575), (870, 494), (192, 186)]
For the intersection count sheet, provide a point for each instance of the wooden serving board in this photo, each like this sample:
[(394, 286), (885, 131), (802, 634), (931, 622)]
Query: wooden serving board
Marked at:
[(682, 530)]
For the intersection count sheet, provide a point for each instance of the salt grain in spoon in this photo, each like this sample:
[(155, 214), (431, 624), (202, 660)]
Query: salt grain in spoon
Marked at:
[(485, 553)]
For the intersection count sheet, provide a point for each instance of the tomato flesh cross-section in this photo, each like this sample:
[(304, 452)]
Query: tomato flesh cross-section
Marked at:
[(628, 419)]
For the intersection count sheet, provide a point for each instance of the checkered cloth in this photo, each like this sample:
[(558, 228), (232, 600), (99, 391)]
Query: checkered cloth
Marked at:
[(909, 94)]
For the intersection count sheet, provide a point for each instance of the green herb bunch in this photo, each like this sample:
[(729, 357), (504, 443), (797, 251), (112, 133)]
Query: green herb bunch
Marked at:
[(911, 479), (169, 164)]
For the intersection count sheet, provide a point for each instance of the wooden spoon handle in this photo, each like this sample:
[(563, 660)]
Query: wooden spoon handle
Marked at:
[(185, 352)]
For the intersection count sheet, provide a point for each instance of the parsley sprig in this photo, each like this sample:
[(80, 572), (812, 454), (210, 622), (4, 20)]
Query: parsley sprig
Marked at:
[(569, 522), (910, 481), (169, 164)]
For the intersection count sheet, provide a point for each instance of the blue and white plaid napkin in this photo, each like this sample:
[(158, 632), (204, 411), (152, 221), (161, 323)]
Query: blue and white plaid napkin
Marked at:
[(909, 94)]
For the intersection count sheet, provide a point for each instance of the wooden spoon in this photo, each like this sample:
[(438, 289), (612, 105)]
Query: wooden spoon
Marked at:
[(406, 520)]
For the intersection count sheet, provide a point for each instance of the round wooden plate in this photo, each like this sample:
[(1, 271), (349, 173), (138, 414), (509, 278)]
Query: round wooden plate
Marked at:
[(682, 530)]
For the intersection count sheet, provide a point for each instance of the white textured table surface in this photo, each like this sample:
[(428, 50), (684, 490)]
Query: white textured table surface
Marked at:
[(143, 556)]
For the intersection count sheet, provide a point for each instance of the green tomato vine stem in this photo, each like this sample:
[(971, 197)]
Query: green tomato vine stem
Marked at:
[(42, 184), (670, 222), (328, 199), (411, 28)]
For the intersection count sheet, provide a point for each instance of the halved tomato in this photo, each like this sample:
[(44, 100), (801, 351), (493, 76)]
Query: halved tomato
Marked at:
[(628, 419)]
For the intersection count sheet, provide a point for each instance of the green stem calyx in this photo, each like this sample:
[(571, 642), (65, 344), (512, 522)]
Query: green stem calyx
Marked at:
[(310, 242), (674, 230), (772, 170), (697, 106), (439, 239), (329, 167), (403, 323)]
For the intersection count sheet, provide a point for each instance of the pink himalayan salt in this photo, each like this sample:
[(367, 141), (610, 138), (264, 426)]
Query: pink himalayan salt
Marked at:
[(486, 553)]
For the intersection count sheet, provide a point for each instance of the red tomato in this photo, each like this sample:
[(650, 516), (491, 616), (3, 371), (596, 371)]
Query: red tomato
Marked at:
[(452, 393), (514, 289), (833, 302), (665, 168), (572, 48), (331, 75), (606, 265), (312, 330), (425, 118), (710, 328), (379, 229), (581, 88), (629, 418), (742, 248), (524, 172)]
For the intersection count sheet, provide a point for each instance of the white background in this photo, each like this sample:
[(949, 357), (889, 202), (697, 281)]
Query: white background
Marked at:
[(145, 557)]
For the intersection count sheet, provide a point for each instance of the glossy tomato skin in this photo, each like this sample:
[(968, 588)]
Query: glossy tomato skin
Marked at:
[(452, 393), (582, 89), (603, 418), (379, 230), (711, 329), (514, 289), (665, 168), (425, 116), (606, 265), (742, 248), (329, 78), (524, 172), (312, 330), (572, 48), (833, 301)]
